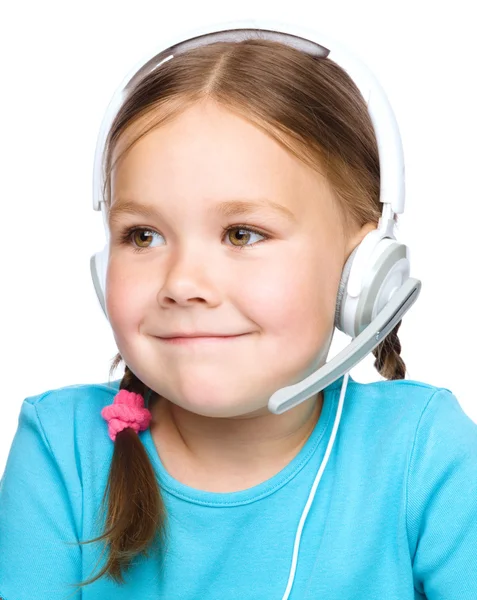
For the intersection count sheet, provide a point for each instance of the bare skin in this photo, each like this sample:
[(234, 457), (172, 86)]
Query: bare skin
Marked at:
[(211, 427)]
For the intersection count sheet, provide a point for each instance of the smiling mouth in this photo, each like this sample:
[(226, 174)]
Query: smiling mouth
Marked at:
[(201, 340)]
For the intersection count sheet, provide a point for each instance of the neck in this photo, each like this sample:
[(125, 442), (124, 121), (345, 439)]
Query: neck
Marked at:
[(229, 454)]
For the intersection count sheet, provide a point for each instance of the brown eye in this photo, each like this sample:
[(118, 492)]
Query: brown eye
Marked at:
[(242, 237), (142, 237)]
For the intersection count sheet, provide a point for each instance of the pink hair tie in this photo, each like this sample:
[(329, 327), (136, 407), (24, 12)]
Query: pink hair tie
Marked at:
[(127, 410)]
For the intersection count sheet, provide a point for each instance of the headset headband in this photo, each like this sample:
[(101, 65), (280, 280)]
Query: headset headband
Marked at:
[(391, 159)]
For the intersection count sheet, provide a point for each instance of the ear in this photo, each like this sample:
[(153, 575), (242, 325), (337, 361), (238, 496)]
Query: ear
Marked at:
[(357, 236)]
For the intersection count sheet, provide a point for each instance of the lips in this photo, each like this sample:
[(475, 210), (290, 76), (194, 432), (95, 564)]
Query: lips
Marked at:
[(201, 339), (200, 334)]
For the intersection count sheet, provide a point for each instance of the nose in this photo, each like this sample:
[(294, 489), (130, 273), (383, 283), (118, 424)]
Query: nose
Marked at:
[(190, 277)]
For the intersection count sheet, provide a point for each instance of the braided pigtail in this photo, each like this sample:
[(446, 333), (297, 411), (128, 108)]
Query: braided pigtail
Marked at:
[(388, 360), (136, 515)]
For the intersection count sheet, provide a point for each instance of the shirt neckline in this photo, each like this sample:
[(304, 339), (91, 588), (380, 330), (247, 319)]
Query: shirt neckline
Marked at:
[(259, 491)]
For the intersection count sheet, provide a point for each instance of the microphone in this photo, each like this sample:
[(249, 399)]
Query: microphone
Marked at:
[(397, 306)]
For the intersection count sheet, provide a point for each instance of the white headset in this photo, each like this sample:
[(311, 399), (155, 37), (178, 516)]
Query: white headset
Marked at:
[(375, 289)]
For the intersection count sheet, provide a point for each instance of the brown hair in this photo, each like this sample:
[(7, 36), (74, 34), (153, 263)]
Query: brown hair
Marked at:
[(312, 108)]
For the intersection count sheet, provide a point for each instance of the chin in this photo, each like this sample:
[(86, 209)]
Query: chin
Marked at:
[(217, 409)]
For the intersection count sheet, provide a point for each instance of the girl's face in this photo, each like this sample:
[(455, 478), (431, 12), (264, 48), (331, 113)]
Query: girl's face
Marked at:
[(212, 255)]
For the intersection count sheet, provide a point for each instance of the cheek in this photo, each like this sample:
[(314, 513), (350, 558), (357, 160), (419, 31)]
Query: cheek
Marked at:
[(294, 296), (124, 296)]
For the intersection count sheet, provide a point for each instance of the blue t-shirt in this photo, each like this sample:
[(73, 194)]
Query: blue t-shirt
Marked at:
[(394, 516)]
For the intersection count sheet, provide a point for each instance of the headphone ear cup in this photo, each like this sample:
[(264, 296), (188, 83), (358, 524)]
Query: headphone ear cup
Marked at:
[(387, 270), (342, 290), (99, 267)]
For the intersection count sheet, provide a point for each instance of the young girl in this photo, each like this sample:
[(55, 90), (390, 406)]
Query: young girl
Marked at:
[(240, 177)]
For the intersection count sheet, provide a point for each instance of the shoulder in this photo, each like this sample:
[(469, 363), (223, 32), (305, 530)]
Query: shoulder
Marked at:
[(70, 415), (408, 395), (74, 397), (408, 407), (390, 390)]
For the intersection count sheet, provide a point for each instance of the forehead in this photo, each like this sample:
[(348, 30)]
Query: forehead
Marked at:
[(209, 153)]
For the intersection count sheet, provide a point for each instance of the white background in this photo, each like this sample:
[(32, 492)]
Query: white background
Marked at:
[(60, 64)]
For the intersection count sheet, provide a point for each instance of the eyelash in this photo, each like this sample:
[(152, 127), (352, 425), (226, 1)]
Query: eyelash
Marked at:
[(126, 235)]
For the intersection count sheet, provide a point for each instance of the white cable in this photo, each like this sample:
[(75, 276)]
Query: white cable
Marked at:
[(315, 485)]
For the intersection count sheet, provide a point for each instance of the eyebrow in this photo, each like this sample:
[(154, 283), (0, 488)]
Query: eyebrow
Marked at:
[(227, 208)]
